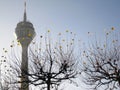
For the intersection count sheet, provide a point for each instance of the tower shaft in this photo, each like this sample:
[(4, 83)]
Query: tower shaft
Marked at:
[(24, 69)]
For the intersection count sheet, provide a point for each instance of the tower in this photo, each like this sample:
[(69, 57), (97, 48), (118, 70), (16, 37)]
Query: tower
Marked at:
[(25, 33)]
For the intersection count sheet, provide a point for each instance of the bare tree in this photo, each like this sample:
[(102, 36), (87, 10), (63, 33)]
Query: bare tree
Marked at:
[(101, 65), (50, 63), (5, 76)]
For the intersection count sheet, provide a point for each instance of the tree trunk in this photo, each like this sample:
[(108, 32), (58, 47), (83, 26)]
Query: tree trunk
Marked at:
[(119, 83), (48, 87), (48, 84)]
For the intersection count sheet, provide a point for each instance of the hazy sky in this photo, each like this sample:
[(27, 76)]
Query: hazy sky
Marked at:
[(78, 16)]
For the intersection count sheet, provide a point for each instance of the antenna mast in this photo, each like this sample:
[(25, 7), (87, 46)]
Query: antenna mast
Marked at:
[(25, 16)]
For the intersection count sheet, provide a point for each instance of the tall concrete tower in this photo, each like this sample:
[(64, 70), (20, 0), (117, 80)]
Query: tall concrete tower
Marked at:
[(25, 33)]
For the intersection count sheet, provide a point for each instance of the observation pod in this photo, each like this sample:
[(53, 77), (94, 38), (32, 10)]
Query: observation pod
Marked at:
[(25, 33)]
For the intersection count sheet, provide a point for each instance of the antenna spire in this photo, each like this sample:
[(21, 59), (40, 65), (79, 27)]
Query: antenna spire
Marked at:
[(25, 16)]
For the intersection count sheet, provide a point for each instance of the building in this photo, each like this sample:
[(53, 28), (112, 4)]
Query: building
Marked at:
[(25, 33)]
